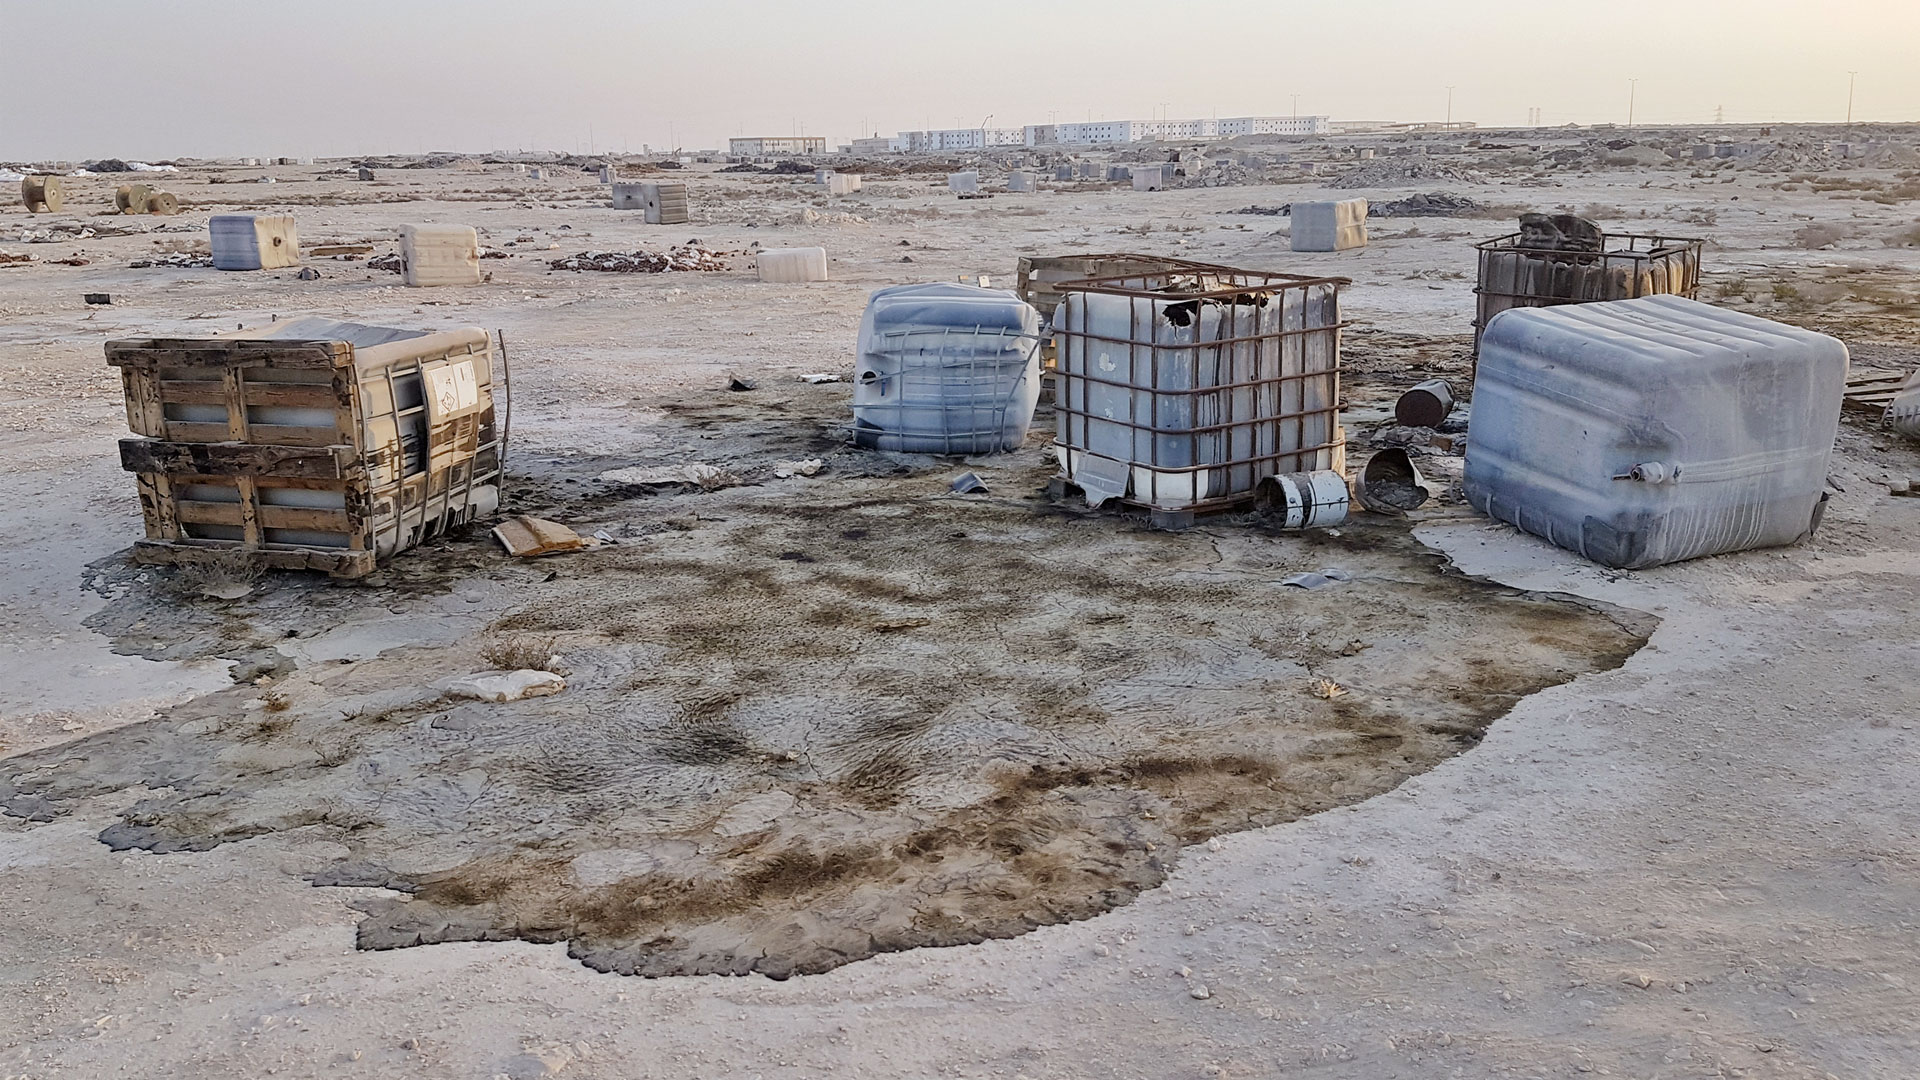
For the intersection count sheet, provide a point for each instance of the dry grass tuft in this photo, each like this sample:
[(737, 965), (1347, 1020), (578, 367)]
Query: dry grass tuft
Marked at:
[(520, 653)]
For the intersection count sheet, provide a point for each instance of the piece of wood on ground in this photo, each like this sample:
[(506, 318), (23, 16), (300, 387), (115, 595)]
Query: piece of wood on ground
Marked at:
[(1872, 389), (529, 537)]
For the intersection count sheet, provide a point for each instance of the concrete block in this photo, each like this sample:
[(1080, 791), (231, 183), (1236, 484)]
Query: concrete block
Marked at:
[(629, 195), (963, 183), (1330, 226), (792, 265), (1151, 177)]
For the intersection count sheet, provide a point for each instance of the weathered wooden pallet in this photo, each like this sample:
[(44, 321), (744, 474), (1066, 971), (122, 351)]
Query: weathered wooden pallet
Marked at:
[(1873, 389)]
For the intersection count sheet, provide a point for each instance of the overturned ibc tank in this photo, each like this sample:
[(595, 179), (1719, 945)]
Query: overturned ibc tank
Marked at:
[(311, 444), (1563, 259), (1643, 432), (946, 369)]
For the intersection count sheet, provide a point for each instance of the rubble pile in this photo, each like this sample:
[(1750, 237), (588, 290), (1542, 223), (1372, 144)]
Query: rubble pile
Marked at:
[(1393, 172), (645, 262), (1438, 204), (1222, 174)]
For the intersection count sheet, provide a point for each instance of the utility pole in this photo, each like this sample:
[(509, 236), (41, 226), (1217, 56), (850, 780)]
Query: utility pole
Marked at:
[(1449, 108), (1851, 76), (1296, 106), (1633, 91)]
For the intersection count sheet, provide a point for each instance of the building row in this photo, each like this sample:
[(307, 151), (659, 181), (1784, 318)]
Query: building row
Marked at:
[(1094, 133), (774, 147)]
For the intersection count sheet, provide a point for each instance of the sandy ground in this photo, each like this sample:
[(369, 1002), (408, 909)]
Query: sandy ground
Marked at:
[(1699, 863)]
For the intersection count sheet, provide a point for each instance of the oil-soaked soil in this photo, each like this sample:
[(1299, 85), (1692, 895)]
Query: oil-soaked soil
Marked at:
[(809, 720)]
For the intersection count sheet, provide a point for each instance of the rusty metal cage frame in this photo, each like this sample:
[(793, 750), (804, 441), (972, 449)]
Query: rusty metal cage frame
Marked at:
[(1204, 284), (1640, 253)]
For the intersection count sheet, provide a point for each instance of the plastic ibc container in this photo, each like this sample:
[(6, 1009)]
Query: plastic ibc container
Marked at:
[(1330, 226), (946, 369), (1183, 396), (1643, 432), (248, 242), (439, 255)]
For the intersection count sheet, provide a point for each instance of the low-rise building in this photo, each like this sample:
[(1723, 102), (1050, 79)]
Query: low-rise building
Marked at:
[(784, 144)]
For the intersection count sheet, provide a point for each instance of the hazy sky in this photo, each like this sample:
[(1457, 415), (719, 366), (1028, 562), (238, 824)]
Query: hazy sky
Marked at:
[(157, 78)]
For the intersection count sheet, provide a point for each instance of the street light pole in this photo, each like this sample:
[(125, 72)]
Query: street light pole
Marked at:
[(1449, 108), (1851, 77), (1633, 91)]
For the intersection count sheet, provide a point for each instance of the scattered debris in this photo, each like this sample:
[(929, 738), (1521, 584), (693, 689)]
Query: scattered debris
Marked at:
[(75, 259), (894, 626), (819, 377), (97, 298), (308, 273), (9, 258), (57, 235), (530, 537), (183, 259), (741, 385), (502, 686), (645, 262), (967, 484), (788, 469), (340, 249), (1329, 576), (1327, 689), (698, 475), (389, 263)]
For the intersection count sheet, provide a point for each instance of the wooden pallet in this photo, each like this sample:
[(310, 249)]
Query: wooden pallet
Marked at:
[(1871, 390)]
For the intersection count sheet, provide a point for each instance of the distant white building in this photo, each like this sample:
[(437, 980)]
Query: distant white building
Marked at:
[(785, 144), (962, 139), (1094, 133), (1129, 131)]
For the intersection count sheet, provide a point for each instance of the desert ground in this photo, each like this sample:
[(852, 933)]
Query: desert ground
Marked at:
[(859, 776)]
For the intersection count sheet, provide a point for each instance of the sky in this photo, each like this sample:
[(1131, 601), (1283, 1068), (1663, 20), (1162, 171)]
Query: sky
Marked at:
[(147, 79)]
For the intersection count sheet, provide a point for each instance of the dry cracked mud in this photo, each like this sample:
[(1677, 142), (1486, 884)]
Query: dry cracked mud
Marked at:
[(808, 720)]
